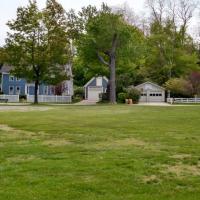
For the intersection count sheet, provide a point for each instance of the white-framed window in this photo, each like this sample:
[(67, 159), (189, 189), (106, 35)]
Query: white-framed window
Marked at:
[(11, 78), (11, 90), (18, 88), (18, 79), (99, 81)]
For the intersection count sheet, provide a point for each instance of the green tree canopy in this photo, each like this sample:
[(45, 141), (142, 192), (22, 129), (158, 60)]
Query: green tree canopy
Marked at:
[(37, 44)]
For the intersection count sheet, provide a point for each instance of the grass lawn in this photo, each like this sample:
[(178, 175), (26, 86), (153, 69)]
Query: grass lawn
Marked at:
[(100, 153)]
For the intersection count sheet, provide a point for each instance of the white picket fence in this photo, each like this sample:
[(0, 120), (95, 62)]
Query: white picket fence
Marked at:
[(183, 100), (10, 98), (50, 99)]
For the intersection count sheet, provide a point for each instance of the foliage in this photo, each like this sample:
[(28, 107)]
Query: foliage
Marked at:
[(167, 55), (133, 94), (179, 86), (79, 92), (110, 40), (121, 97), (194, 79), (37, 45), (104, 97), (3, 56)]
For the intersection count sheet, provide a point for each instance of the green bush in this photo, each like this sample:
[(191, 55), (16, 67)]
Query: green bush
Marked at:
[(79, 92), (76, 99), (133, 94), (121, 97), (24, 97)]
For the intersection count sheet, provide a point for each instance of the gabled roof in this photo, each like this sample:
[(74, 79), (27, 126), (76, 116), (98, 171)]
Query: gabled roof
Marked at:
[(148, 82), (90, 81), (5, 69)]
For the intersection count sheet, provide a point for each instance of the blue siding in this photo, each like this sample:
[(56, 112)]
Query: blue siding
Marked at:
[(7, 83), (21, 83), (93, 84)]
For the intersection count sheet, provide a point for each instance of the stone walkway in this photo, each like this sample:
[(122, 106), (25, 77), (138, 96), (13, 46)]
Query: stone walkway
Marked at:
[(86, 102)]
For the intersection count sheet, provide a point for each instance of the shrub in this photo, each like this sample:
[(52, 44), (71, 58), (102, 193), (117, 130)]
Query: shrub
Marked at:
[(24, 97), (79, 92), (179, 87), (133, 94), (121, 97), (76, 99), (104, 97)]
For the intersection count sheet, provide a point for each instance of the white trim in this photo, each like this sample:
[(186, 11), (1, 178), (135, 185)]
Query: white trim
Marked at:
[(90, 81), (11, 76), (18, 79), (99, 81), (148, 82), (19, 90), (106, 78), (13, 90)]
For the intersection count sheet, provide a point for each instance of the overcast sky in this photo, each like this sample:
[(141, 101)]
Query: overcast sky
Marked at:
[(8, 9)]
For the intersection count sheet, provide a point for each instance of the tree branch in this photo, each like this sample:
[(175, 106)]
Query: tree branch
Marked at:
[(101, 59)]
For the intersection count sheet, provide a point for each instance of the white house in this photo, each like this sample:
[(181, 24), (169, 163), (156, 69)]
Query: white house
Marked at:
[(151, 92), (95, 87)]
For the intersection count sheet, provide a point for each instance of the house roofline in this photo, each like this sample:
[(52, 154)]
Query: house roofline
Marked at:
[(90, 81), (150, 83)]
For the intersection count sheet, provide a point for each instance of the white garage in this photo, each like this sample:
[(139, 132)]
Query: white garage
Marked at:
[(95, 87), (94, 92), (151, 92)]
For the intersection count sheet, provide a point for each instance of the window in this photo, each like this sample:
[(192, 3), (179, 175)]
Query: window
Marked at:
[(18, 79), (18, 90), (11, 90), (99, 81), (143, 94), (11, 78)]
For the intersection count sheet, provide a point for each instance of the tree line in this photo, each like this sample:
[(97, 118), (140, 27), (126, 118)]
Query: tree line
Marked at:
[(108, 41)]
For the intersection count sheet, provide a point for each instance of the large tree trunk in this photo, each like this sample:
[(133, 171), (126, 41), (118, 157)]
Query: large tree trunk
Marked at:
[(112, 80), (112, 67), (36, 92)]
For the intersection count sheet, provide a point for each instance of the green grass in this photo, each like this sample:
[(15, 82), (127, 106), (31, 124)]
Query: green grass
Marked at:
[(101, 153)]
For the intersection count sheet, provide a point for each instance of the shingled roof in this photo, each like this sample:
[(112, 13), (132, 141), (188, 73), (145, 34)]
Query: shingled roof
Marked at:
[(5, 69)]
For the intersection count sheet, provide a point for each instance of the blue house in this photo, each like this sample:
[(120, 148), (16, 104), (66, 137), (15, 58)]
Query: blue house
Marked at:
[(11, 85), (95, 87)]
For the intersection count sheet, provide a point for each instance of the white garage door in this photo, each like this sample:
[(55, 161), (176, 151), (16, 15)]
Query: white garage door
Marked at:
[(156, 97), (93, 93)]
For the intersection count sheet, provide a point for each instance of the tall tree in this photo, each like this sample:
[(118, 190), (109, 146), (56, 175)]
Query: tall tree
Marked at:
[(3, 56), (107, 39), (37, 44)]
